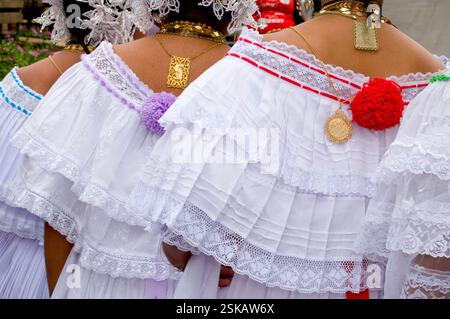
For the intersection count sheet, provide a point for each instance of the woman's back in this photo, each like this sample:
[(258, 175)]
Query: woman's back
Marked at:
[(332, 38), (148, 59)]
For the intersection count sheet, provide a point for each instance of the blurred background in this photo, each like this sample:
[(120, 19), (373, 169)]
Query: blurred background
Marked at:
[(22, 43), (426, 21)]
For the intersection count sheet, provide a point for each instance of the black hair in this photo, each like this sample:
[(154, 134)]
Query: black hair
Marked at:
[(78, 35), (192, 11)]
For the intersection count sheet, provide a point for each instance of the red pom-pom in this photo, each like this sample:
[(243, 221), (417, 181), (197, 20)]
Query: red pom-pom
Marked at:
[(379, 105)]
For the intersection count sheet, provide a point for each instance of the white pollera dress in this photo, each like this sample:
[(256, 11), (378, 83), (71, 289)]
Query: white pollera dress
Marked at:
[(408, 221), (83, 149), (286, 223), (22, 265)]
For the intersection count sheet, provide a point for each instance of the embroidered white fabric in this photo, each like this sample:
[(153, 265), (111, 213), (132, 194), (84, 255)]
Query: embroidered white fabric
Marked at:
[(425, 283), (15, 99), (81, 164), (410, 212), (283, 229)]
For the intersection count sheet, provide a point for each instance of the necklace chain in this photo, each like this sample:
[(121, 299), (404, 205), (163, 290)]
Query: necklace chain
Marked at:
[(338, 127), (180, 67), (192, 58)]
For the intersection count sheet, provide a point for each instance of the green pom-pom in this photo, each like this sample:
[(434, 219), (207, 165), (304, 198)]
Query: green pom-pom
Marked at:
[(440, 78)]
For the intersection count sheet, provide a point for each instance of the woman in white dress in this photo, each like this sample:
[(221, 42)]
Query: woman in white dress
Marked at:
[(408, 221), (269, 158), (22, 265), (85, 145)]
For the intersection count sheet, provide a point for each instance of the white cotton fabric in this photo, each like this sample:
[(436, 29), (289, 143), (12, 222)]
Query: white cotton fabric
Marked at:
[(77, 282), (409, 217), (22, 266), (83, 148), (15, 100), (292, 228)]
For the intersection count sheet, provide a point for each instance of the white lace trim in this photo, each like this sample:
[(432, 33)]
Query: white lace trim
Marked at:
[(349, 75), (414, 158), (193, 230), (56, 217), (101, 260), (327, 182), (408, 228), (87, 191), (20, 223), (115, 264), (113, 74), (12, 88), (424, 283)]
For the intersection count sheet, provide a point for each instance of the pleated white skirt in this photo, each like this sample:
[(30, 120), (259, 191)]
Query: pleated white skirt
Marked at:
[(22, 268), (201, 276)]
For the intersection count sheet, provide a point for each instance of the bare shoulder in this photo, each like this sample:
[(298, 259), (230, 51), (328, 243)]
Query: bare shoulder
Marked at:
[(289, 36), (38, 77), (422, 60), (137, 49)]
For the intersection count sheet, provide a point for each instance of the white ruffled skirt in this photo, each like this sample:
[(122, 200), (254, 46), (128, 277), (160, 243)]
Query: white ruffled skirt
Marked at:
[(22, 268), (78, 282), (200, 281)]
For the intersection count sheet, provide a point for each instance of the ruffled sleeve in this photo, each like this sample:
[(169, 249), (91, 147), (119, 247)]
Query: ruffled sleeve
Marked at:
[(17, 103), (410, 214)]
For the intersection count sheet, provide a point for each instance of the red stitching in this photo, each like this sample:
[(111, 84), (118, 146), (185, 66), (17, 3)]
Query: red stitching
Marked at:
[(355, 85)]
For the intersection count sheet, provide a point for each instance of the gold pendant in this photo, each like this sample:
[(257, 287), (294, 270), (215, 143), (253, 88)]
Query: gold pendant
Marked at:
[(366, 39), (338, 128), (179, 71)]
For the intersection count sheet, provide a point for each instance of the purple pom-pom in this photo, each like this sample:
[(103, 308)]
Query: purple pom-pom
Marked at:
[(154, 108)]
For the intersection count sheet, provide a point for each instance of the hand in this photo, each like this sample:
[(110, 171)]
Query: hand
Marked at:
[(226, 276)]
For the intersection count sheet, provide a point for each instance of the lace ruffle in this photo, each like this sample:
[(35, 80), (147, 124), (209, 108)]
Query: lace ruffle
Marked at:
[(413, 159), (423, 283), (88, 192), (410, 231), (194, 228), (115, 77), (349, 75), (115, 264), (21, 223), (99, 259)]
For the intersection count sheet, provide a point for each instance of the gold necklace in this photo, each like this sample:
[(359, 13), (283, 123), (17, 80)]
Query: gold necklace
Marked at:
[(338, 128), (78, 48), (365, 38), (180, 67), (193, 30)]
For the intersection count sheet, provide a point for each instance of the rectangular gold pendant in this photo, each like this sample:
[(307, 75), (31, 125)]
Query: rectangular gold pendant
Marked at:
[(179, 71), (365, 38)]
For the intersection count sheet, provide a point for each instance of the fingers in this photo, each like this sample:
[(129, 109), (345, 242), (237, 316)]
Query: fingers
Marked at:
[(226, 272), (224, 282), (226, 276)]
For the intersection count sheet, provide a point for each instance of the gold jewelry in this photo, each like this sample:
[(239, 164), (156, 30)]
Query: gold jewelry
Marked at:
[(193, 30), (55, 65), (78, 48), (365, 38), (180, 67), (338, 127)]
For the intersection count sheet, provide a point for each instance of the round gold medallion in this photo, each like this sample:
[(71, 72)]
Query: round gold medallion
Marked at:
[(338, 128)]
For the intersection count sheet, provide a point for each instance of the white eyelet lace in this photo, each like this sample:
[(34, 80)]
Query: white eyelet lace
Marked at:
[(424, 283)]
